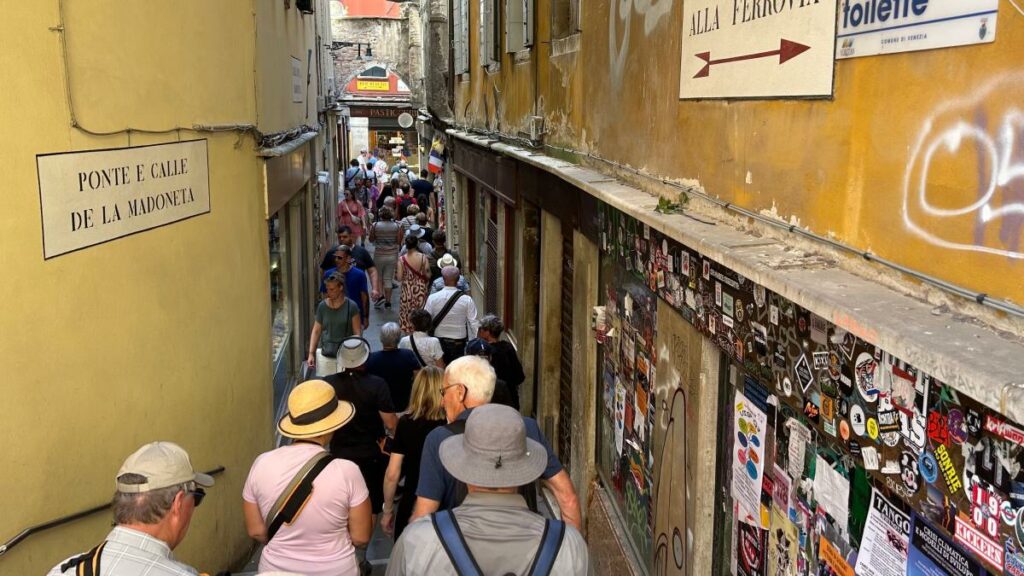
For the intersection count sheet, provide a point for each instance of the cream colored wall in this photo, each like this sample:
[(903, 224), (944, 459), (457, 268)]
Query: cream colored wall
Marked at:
[(159, 335), (283, 33)]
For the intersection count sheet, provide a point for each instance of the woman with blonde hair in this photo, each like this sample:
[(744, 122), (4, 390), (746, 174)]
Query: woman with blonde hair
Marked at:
[(425, 413)]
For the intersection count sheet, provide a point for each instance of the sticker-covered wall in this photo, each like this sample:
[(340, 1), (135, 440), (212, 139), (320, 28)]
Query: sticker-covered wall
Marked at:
[(840, 457)]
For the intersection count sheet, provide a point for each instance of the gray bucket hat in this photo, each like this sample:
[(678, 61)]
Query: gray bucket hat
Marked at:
[(494, 451)]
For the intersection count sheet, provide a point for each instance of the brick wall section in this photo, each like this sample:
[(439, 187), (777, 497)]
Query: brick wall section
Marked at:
[(395, 45)]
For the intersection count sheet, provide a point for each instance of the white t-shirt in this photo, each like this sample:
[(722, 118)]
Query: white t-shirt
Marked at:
[(429, 347), (318, 542)]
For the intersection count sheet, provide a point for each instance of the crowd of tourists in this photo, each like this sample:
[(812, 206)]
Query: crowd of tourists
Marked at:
[(420, 432)]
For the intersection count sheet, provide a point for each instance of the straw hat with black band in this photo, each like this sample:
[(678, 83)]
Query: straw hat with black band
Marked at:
[(314, 410)]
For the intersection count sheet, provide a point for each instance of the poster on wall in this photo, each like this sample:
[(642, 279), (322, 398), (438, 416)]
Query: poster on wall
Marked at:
[(932, 554), (750, 424), (869, 27), (883, 549), (734, 49)]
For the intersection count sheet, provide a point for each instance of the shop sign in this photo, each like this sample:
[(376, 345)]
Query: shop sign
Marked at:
[(868, 27), (88, 198), (757, 48), (373, 85)]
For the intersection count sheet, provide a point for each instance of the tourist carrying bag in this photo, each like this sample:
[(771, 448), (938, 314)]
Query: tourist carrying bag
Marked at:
[(444, 311), (462, 559), (416, 351), (290, 503)]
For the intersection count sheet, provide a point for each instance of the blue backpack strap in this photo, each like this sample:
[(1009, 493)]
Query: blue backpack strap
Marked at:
[(454, 543), (550, 543)]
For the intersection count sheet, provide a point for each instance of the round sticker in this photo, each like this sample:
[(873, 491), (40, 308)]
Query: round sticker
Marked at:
[(929, 467), (844, 430), (865, 369), (857, 419), (908, 471), (872, 428), (787, 386), (957, 426), (833, 365)]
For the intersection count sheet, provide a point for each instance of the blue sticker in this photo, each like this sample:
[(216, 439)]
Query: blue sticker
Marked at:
[(929, 467)]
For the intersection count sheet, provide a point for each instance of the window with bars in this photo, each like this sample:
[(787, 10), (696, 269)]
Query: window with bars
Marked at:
[(518, 25), (460, 37)]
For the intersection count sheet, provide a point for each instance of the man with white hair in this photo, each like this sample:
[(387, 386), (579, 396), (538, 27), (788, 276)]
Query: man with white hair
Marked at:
[(454, 313), (469, 383), (493, 531), (396, 366)]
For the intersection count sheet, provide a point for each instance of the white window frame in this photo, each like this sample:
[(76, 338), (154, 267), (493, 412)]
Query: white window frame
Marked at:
[(518, 25), (488, 37), (460, 41)]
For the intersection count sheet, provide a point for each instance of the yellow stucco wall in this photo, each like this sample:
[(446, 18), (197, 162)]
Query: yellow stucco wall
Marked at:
[(160, 335), (844, 166), (282, 35)]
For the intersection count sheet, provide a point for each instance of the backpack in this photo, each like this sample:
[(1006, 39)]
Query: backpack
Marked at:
[(454, 544)]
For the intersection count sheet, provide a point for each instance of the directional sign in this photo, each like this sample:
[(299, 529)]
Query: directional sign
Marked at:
[(757, 48)]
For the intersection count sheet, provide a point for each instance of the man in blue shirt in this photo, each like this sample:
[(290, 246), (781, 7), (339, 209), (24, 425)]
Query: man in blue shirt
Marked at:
[(396, 366), (357, 286), (468, 383)]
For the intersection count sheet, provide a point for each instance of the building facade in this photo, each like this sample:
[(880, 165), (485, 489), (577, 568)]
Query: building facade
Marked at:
[(165, 197), (769, 322)]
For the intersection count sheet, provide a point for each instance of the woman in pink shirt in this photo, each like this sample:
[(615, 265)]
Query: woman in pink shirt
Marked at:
[(336, 518), (351, 213)]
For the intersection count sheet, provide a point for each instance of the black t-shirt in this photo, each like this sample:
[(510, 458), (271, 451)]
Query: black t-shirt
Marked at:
[(360, 255), (397, 368), (507, 366), (435, 271), (370, 395), (422, 186), (409, 438)]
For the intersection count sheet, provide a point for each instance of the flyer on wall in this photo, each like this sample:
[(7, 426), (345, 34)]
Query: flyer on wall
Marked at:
[(883, 550), (932, 554), (750, 424)]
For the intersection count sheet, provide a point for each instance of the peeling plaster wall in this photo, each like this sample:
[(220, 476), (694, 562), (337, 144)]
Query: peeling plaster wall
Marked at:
[(435, 22), (391, 41), (918, 170)]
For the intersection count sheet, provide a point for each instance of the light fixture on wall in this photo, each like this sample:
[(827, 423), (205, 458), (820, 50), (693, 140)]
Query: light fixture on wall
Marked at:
[(368, 55)]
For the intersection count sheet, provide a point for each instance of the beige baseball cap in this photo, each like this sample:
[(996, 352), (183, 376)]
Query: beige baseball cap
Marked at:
[(163, 464)]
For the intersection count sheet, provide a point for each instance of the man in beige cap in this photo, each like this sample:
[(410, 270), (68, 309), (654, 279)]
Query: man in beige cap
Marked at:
[(157, 492)]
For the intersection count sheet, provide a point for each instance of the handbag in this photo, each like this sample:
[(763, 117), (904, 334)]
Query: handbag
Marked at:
[(330, 349)]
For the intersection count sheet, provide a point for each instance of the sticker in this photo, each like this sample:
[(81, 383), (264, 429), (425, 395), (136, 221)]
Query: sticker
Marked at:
[(870, 456), (864, 370), (787, 386), (799, 436), (978, 543), (957, 426), (718, 294), (773, 314), (727, 320), (820, 360), (707, 270), (1004, 430), (872, 427), (739, 310), (802, 370), (844, 430), (948, 470), (834, 366), (973, 422), (832, 560), (712, 324), (684, 263), (831, 490), (811, 411), (753, 550), (759, 296), (928, 466), (857, 420), (849, 342), (1014, 560), (908, 471), (827, 408), (819, 329), (938, 427)]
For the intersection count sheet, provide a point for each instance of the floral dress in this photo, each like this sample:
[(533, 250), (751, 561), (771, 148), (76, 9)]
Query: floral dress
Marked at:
[(414, 290)]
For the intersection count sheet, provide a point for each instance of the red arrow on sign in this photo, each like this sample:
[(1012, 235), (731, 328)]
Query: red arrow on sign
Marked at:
[(787, 50)]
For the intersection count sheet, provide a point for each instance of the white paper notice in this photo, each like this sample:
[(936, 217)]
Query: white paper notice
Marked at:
[(886, 525), (799, 436), (750, 424), (831, 491)]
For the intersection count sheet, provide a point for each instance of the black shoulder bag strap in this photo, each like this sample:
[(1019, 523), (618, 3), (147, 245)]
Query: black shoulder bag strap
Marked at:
[(416, 351), (87, 564), (297, 496), (444, 311)]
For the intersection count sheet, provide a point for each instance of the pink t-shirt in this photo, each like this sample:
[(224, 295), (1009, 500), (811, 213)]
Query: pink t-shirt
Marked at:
[(317, 543)]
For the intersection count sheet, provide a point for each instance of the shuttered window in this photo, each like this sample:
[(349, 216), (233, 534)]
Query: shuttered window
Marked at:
[(518, 25), (489, 40), (565, 18), (460, 41)]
